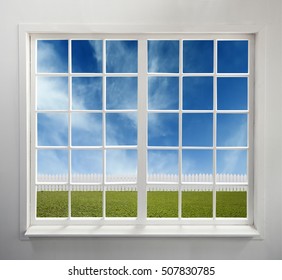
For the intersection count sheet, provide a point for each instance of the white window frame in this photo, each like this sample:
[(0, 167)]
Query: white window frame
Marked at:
[(31, 227)]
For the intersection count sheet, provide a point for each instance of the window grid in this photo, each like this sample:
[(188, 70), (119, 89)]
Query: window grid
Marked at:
[(180, 183)]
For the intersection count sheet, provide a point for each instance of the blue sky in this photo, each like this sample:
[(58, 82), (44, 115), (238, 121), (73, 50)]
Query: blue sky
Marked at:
[(121, 94)]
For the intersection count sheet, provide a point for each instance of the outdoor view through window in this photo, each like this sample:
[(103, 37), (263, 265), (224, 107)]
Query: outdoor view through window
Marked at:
[(93, 106)]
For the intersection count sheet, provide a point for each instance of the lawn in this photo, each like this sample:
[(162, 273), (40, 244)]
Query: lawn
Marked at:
[(124, 204)]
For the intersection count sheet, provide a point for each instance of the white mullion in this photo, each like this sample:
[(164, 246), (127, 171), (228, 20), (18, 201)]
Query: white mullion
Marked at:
[(180, 130), (121, 111), (163, 111), (214, 127), (122, 147), (250, 152), (33, 137), (69, 128), (104, 130), (162, 148), (142, 131), (197, 111)]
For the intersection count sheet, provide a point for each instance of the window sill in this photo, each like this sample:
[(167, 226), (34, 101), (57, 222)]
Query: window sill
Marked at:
[(246, 231)]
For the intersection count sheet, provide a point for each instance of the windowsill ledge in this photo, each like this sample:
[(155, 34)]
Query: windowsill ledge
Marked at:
[(246, 231)]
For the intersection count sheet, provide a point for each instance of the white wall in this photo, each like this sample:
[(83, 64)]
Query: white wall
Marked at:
[(179, 13)]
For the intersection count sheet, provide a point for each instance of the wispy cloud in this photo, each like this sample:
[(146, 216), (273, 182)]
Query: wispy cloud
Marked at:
[(52, 162), (121, 92), (162, 162), (121, 56), (52, 93), (52, 56), (87, 93), (86, 129), (121, 162), (163, 56), (163, 93), (121, 129), (52, 129), (163, 129), (232, 162)]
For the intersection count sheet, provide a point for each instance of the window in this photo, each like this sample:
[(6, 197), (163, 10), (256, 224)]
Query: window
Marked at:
[(141, 129)]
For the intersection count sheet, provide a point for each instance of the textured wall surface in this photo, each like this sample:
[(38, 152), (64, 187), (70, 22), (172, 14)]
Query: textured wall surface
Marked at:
[(171, 13)]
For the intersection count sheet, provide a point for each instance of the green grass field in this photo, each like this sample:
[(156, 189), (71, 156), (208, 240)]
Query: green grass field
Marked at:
[(124, 204)]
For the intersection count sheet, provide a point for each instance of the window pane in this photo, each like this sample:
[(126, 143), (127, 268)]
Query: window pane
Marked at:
[(162, 129), (121, 164), (121, 56), (232, 93), (86, 203), (162, 165), (52, 56), (231, 166), (162, 204), (197, 93), (51, 164), (163, 56), (86, 93), (197, 165), (197, 130), (87, 166), (121, 203), (86, 129), (87, 56), (52, 129), (52, 204), (232, 130), (197, 204), (121, 93), (232, 56), (197, 56), (121, 129), (231, 204), (52, 93), (163, 93)]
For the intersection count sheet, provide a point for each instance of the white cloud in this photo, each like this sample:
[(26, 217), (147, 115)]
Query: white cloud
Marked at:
[(52, 93)]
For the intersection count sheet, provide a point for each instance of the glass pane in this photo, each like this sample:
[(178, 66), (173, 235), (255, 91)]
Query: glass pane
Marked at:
[(197, 56), (52, 204), (231, 204), (197, 204), (52, 93), (86, 93), (197, 130), (198, 93), (232, 93), (121, 204), (121, 93), (197, 165), (231, 166), (162, 129), (87, 166), (121, 129), (87, 56), (232, 130), (163, 93), (162, 204), (232, 56), (121, 56), (163, 165), (52, 129), (121, 165), (86, 203), (52, 165), (86, 129), (163, 56), (52, 56)]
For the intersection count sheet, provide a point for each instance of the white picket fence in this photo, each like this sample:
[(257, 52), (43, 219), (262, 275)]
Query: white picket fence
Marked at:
[(128, 182)]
